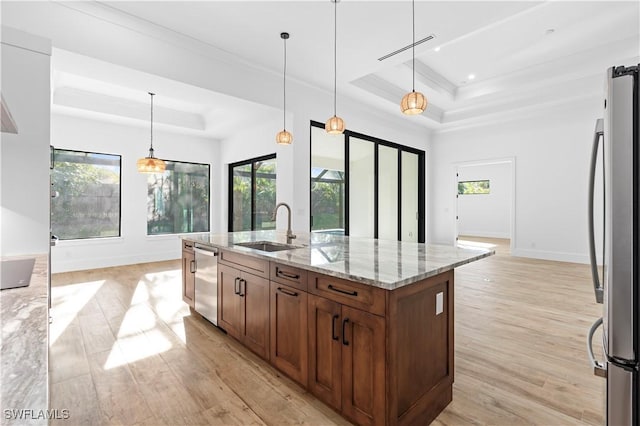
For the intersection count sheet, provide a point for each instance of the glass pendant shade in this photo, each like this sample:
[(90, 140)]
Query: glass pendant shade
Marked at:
[(151, 164), (284, 138), (334, 125), (413, 103)]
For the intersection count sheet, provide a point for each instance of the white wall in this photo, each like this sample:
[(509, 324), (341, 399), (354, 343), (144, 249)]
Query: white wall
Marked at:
[(131, 142), (24, 157), (486, 215), (552, 152)]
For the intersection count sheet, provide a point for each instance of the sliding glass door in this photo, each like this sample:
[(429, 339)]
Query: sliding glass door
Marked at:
[(388, 193), (327, 182), (366, 187), (361, 188), (252, 194)]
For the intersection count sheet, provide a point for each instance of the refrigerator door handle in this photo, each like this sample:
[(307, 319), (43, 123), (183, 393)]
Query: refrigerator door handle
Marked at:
[(597, 285), (599, 368)]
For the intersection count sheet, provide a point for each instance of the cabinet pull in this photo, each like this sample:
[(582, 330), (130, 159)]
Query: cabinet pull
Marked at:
[(192, 266), (287, 292), (236, 287), (281, 273), (339, 290), (333, 327), (344, 335), (241, 293)]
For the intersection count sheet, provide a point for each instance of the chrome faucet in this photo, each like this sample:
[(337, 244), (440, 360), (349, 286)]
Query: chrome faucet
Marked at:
[(290, 235)]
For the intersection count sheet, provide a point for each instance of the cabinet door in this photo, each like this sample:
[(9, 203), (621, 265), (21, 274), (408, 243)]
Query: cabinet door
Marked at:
[(325, 348), (254, 293), (188, 277), (289, 331), (229, 301), (363, 366)]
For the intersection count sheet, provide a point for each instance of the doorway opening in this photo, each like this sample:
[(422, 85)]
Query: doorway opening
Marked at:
[(485, 204)]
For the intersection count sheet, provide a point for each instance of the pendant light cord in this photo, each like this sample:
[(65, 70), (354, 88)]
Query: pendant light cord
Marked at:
[(335, 55), (284, 76), (413, 45), (151, 120)]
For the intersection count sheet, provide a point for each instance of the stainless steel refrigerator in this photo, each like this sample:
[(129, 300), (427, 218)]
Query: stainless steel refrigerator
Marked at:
[(617, 147)]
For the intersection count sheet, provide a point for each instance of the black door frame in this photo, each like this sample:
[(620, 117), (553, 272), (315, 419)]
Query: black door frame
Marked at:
[(251, 161)]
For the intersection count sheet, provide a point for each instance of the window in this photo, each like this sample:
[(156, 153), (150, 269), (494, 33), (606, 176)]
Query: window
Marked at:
[(178, 199), (471, 187), (88, 205), (252, 194)]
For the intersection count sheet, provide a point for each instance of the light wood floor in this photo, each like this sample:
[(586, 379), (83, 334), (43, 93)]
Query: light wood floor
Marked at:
[(126, 350)]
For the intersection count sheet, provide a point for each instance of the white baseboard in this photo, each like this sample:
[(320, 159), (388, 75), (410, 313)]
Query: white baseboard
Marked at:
[(551, 255), (71, 265)]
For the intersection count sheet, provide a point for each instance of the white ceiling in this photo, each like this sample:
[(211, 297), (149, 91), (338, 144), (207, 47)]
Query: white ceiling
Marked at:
[(524, 55)]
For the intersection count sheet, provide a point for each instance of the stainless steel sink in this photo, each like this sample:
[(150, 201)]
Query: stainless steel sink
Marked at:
[(268, 246)]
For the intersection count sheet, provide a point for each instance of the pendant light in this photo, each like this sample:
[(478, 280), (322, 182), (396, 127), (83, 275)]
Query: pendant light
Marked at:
[(151, 164), (413, 102), (283, 137), (335, 125)]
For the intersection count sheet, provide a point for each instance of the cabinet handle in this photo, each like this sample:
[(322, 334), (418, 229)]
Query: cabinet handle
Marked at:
[(281, 273), (344, 335), (192, 266), (242, 280), (333, 327), (287, 292), (339, 290), (236, 286)]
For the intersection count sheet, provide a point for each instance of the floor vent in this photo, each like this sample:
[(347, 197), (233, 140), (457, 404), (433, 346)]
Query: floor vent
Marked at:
[(402, 49)]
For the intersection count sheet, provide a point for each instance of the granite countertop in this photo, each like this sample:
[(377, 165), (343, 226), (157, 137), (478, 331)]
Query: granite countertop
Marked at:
[(24, 315), (381, 263)]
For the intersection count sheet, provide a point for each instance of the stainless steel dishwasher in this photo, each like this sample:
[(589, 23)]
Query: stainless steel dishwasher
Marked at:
[(206, 296)]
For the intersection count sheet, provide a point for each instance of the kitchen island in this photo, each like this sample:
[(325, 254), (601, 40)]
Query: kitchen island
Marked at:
[(365, 325)]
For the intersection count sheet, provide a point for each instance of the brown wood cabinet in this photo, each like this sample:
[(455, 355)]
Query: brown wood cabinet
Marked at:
[(379, 357), (188, 273), (289, 343), (347, 359), (243, 307)]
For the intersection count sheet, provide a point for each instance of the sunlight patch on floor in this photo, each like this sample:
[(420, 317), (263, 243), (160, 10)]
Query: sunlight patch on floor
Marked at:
[(138, 336), (67, 301)]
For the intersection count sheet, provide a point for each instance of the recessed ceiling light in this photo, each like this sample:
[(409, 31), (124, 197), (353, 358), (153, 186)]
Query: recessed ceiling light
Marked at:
[(550, 31), (471, 76), (437, 49)]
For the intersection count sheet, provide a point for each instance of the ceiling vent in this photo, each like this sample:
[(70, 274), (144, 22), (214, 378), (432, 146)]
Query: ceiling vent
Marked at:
[(402, 49)]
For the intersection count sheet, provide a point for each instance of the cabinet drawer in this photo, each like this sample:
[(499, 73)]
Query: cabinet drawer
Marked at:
[(245, 263), (289, 275), (361, 296), (187, 245)]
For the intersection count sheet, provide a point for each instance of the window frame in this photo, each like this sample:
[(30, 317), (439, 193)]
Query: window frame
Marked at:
[(52, 167), (251, 162), (208, 204)]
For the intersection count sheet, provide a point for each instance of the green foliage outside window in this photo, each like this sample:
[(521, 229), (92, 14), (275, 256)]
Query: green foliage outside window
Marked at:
[(327, 199), (88, 205), (254, 195), (178, 199), (473, 187)]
